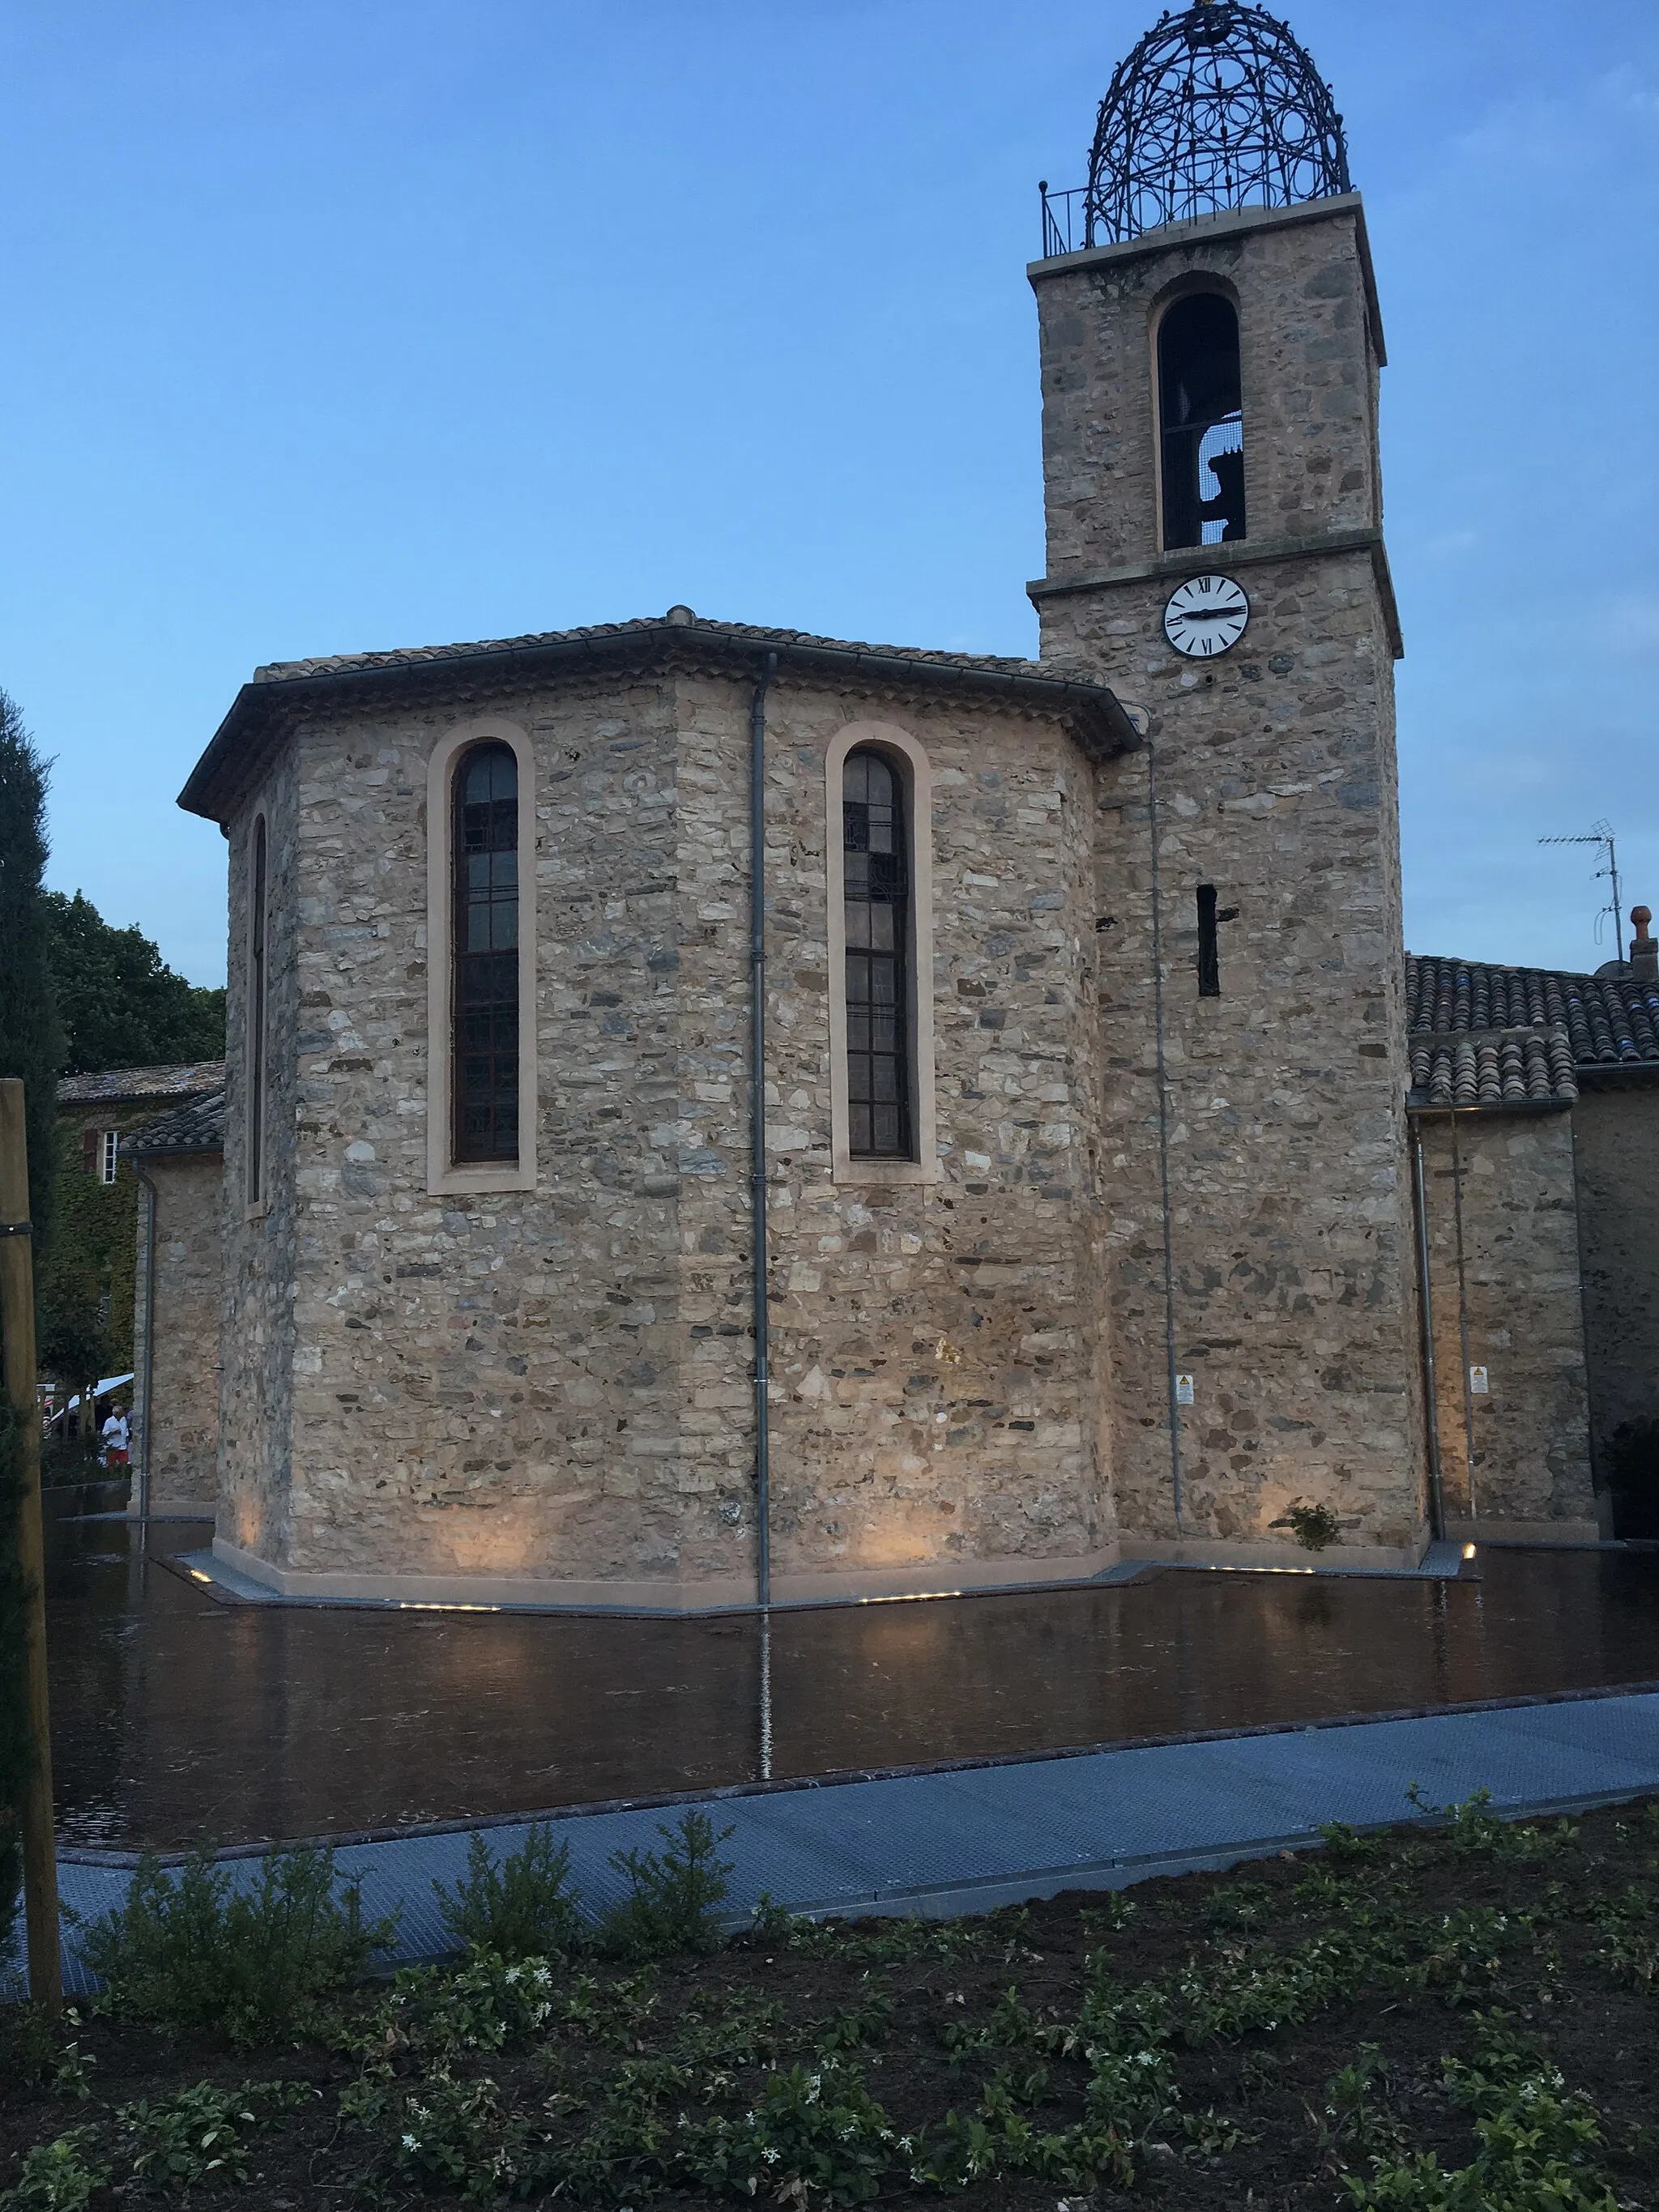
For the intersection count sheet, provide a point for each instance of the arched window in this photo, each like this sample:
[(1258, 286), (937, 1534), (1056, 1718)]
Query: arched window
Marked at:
[(254, 1058), (876, 890), (1201, 415), (484, 989)]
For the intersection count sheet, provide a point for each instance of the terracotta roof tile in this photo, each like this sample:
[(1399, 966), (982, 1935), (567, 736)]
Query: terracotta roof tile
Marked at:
[(198, 1125), (1485, 1036), (114, 1086)]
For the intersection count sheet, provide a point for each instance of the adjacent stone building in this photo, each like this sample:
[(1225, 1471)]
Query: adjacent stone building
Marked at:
[(1534, 1101), (178, 1158), (717, 1112), (88, 1283)]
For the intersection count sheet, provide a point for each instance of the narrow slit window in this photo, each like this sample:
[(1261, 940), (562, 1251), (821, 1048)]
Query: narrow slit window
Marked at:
[(256, 1019), (485, 929), (876, 886), (1201, 415), (112, 1154), (1209, 947)]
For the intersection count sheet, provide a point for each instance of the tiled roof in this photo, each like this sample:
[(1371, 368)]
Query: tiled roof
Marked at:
[(1090, 710), (1485, 1036), (198, 1125), (1494, 1068), (642, 628), (115, 1086)]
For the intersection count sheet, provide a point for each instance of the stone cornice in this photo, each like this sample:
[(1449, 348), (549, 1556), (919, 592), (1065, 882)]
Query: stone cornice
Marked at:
[(1220, 229), (1242, 553), (266, 709)]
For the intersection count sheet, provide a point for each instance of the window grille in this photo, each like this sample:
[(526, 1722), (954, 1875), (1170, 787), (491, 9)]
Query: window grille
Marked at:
[(485, 931), (876, 883), (109, 1154)]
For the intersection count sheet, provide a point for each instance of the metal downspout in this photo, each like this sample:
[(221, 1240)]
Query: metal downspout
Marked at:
[(1425, 1302), (147, 1371), (1463, 1316), (1163, 1142), (757, 1129)]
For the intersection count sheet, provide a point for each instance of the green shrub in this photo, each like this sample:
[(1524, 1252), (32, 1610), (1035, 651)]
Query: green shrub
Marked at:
[(1314, 1527), (59, 2176), (809, 2137), (38, 2047), (675, 1893), (517, 1907), (483, 2005), (447, 2133), (1536, 2143), (200, 2134), (193, 1954)]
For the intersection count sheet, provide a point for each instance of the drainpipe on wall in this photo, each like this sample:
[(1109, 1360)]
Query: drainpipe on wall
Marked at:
[(1425, 1298), (147, 1365), (757, 1124), (1463, 1315), (1164, 1143)]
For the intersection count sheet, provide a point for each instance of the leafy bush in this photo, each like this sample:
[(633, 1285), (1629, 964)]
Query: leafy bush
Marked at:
[(1347, 1845), (1314, 1527), (447, 2132), (485, 2005), (1535, 2139), (809, 2137), (675, 1893), (199, 2133), (37, 2049), (59, 2176), (517, 1907), (194, 1954)]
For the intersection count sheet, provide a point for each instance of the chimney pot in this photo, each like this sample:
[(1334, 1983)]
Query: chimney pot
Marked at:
[(1644, 949)]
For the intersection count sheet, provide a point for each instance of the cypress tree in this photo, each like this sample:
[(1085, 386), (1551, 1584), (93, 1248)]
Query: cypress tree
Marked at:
[(29, 1038), (28, 1047)]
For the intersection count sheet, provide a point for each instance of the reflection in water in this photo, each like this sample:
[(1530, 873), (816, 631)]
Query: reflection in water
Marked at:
[(176, 1717)]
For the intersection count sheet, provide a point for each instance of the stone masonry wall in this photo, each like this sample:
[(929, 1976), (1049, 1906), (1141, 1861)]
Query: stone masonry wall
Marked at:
[(1504, 1295), (256, 1364), (1617, 1136), (489, 1382), (1275, 781), (935, 1354), (189, 1266), (1310, 372), (555, 1386)]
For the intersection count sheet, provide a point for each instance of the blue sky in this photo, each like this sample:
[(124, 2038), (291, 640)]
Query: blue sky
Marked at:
[(363, 324)]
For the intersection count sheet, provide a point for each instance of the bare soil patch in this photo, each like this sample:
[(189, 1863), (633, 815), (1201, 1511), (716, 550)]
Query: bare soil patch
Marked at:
[(1458, 2017)]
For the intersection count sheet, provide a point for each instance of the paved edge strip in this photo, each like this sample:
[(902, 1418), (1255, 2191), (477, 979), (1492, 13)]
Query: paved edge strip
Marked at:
[(722, 1793), (974, 1850)]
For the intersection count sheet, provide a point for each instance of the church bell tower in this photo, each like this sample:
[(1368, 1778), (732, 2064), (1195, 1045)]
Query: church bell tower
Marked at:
[(1210, 346)]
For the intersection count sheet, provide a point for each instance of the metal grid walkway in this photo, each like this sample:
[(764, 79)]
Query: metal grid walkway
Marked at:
[(973, 1838)]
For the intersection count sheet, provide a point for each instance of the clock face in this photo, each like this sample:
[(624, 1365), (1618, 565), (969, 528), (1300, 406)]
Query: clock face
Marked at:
[(1206, 616)]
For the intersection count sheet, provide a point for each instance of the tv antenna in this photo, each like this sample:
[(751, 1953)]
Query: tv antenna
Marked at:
[(1601, 834)]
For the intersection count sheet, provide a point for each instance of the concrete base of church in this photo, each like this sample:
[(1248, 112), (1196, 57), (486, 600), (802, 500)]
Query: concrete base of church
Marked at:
[(1482, 1531), (1285, 1556), (938, 1578)]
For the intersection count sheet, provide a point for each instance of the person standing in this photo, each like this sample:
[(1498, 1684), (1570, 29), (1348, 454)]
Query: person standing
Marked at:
[(116, 1436)]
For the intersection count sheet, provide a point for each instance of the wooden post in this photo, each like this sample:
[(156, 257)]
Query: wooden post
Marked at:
[(17, 1321)]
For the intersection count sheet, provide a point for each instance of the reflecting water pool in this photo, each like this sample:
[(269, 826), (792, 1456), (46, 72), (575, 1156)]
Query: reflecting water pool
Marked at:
[(177, 1717)]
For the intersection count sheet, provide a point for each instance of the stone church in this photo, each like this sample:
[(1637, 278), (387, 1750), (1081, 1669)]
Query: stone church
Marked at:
[(718, 1113)]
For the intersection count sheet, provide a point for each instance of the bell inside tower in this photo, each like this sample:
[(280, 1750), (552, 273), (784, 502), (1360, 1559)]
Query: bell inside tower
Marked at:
[(1201, 422)]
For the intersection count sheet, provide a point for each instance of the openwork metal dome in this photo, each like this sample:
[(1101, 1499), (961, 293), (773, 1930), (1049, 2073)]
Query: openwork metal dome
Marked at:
[(1218, 107)]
